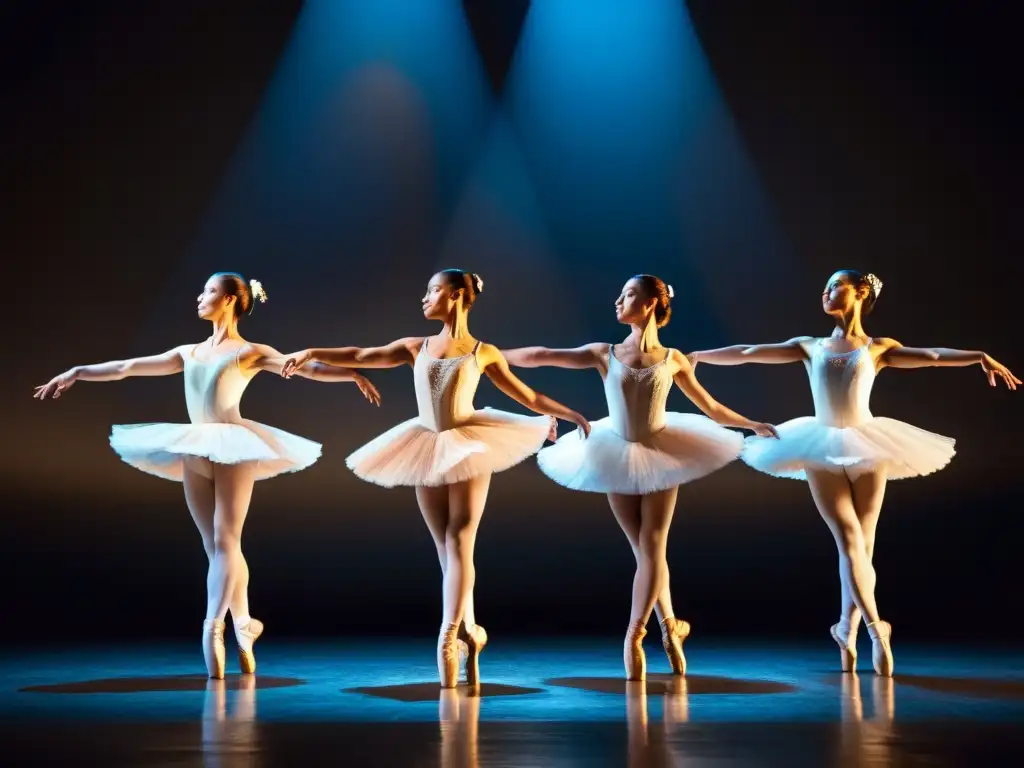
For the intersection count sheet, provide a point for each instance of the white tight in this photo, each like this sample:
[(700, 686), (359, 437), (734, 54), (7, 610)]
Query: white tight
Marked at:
[(452, 514), (645, 520), (219, 506), (851, 508)]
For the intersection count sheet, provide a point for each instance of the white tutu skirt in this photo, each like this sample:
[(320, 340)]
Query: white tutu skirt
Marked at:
[(412, 454), (900, 449), (164, 449), (689, 447)]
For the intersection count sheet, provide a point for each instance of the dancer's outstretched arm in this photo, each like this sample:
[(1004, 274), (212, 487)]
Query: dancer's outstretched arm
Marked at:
[(265, 358), (714, 410), (166, 364), (587, 356), (898, 356), (399, 352), (494, 364), (792, 351)]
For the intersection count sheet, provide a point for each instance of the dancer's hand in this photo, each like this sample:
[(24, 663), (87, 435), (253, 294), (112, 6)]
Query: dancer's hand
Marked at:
[(993, 368), (553, 431), (764, 429), (583, 424), (366, 387), (56, 386), (294, 363), (693, 359)]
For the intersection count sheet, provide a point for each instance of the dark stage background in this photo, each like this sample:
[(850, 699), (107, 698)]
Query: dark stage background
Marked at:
[(341, 152)]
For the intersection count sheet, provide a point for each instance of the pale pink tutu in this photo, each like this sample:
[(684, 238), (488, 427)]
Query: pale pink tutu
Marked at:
[(412, 454), (164, 449), (805, 443), (689, 447)]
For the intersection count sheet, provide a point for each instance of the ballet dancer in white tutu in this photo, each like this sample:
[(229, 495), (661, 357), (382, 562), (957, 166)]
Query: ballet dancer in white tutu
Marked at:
[(640, 454), (219, 455), (449, 452), (844, 453)]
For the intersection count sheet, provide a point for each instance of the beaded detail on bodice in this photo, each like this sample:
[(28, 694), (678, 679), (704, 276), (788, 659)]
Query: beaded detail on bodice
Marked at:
[(445, 388), (841, 384), (637, 397)]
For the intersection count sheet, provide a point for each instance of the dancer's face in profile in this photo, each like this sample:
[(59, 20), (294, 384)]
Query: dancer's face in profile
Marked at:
[(440, 299), (840, 295), (633, 307), (213, 302)]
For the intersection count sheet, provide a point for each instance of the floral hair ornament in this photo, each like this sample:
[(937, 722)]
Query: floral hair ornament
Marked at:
[(478, 283), (671, 293), (876, 285), (256, 287)]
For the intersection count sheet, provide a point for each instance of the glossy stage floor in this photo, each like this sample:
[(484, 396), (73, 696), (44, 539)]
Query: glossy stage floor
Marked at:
[(544, 703)]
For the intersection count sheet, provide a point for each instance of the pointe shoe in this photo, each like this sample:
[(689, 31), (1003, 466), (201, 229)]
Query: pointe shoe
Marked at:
[(846, 639), (213, 647), (474, 639), (673, 632), (463, 657), (245, 637), (881, 647), (633, 653), (448, 656)]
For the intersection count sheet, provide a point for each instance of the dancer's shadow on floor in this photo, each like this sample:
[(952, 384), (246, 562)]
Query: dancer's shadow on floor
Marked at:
[(965, 686), (414, 692), (164, 684), (977, 687), (696, 685)]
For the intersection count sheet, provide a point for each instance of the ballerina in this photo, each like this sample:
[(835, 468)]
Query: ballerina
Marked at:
[(219, 455), (639, 455), (844, 453), (449, 452)]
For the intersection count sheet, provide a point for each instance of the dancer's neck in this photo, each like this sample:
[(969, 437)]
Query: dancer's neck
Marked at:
[(645, 337)]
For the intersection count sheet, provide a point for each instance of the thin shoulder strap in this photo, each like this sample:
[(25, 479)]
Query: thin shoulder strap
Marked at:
[(477, 346)]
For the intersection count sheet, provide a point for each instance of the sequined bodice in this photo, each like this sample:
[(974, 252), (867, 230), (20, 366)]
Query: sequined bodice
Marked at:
[(445, 388), (841, 384), (213, 388), (636, 397)]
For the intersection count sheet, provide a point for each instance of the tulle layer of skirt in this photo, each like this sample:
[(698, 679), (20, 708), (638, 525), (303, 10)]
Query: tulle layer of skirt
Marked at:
[(900, 449), (412, 454), (165, 449), (689, 447)]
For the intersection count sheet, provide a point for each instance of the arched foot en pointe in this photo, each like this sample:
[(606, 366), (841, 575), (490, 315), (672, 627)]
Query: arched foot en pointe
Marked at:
[(846, 638), (673, 632), (448, 655), (213, 648), (881, 647), (633, 653), (246, 636), (474, 640)]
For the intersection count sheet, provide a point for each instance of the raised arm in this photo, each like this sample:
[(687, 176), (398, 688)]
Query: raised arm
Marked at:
[(714, 410), (261, 357), (166, 364), (792, 351), (495, 366), (895, 355), (587, 356), (400, 352)]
